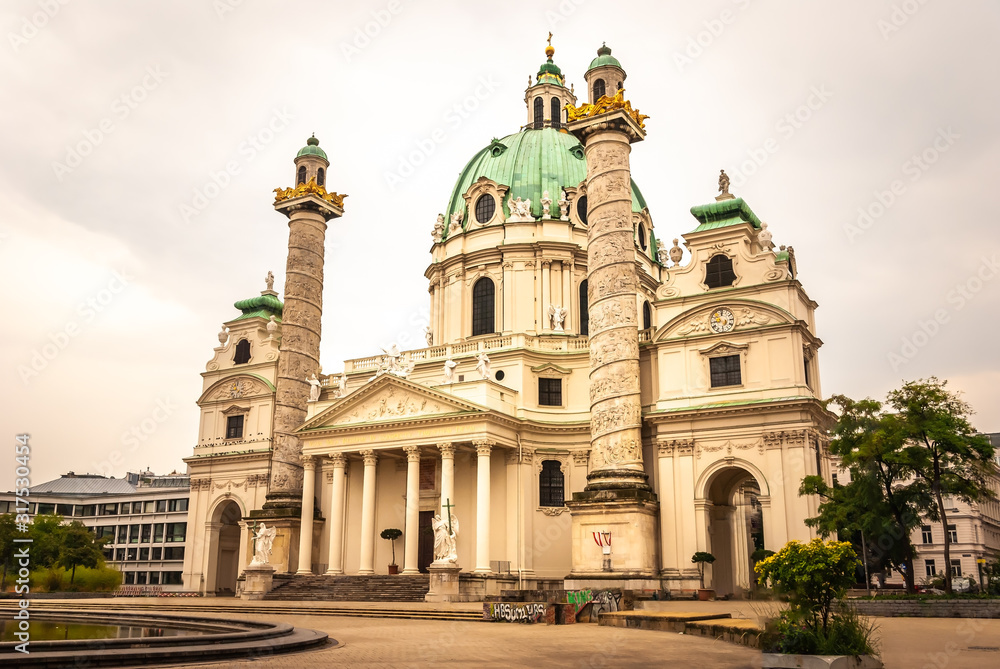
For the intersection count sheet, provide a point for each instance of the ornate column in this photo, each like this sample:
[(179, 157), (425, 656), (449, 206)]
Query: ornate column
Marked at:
[(616, 440), (447, 475), (546, 293), (368, 514), (336, 515), (306, 519), (411, 540), (507, 322), (308, 209), (483, 449), (567, 291)]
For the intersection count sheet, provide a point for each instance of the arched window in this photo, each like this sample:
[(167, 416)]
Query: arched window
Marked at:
[(599, 89), (302, 175), (242, 356), (539, 113), (647, 316), (643, 244), (581, 208), (584, 313), (719, 272), (551, 484), (321, 177), (556, 113), (483, 307), (486, 206)]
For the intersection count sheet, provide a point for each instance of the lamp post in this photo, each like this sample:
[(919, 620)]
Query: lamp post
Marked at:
[(979, 566)]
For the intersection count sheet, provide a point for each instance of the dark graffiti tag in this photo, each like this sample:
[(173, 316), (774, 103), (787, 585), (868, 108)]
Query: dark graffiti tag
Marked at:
[(514, 613)]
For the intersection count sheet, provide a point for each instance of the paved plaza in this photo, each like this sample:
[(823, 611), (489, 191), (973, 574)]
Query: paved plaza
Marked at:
[(908, 643)]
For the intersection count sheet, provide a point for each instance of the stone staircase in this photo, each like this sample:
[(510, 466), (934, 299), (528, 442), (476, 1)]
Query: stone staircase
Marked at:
[(376, 588)]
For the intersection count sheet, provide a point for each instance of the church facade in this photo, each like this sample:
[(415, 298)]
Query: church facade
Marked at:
[(496, 423)]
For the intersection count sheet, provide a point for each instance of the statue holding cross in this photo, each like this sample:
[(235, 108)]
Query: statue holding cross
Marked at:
[(445, 535)]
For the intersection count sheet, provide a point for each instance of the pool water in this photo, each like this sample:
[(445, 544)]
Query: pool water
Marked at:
[(46, 630)]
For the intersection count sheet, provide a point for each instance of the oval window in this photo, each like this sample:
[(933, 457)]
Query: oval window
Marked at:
[(581, 209), (486, 206)]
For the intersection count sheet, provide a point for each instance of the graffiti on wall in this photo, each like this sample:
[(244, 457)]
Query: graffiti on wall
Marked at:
[(514, 612), (606, 601), (579, 598)]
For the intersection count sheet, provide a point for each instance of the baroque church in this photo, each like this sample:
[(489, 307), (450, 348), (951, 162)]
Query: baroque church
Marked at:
[(592, 406)]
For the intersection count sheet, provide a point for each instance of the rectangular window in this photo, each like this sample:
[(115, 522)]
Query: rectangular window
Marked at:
[(929, 568), (5, 506), (156, 553), (154, 578), (143, 553), (122, 534), (170, 578), (136, 507), (64, 509), (109, 554), (956, 567), (130, 554), (133, 534), (725, 371), (234, 427), (129, 578), (550, 392), (149, 507), (85, 510), (953, 534), (106, 531), (109, 509), (173, 553), (177, 505), (551, 484), (140, 578), (176, 532), (925, 534), (46, 509), (161, 505), (157, 533), (147, 533), (119, 554), (808, 383)]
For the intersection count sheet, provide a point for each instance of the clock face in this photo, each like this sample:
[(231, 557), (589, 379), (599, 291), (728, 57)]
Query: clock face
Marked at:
[(721, 320)]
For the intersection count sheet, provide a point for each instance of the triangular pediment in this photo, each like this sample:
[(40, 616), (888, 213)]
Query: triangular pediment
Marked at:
[(388, 399)]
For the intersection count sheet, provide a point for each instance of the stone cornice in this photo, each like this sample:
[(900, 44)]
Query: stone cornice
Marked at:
[(811, 404)]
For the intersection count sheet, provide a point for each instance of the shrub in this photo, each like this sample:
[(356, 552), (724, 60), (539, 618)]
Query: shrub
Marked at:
[(57, 579)]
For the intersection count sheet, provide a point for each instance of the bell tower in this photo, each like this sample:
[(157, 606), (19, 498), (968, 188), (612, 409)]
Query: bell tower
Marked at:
[(604, 76)]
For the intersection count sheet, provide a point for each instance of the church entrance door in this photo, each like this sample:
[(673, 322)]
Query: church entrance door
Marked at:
[(736, 530), (227, 547), (425, 550)]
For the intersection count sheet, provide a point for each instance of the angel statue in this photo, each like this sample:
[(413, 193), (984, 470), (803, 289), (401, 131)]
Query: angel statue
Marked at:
[(557, 316), (263, 541), (723, 182), (445, 535), (269, 280), (314, 388), (483, 366), (449, 371)]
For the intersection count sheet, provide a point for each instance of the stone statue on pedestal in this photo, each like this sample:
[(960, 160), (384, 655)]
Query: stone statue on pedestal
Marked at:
[(445, 538), (314, 388), (263, 541), (546, 204), (483, 366), (557, 316), (269, 280), (449, 371)]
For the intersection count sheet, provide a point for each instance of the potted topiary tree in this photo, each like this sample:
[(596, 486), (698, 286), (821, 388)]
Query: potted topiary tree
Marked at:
[(701, 558), (815, 577), (391, 535)]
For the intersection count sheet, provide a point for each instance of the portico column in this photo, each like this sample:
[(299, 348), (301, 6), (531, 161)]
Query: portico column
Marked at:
[(368, 514), (336, 515), (447, 475), (306, 519), (411, 539), (483, 449)]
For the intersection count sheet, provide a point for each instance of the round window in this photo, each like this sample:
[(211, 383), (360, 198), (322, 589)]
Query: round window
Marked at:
[(581, 208), (486, 206), (499, 375)]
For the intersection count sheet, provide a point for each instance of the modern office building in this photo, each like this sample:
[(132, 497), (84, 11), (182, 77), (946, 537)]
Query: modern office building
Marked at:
[(145, 516)]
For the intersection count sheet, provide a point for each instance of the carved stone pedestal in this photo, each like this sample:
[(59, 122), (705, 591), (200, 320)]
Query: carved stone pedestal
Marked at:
[(444, 582), (259, 581), (285, 550), (630, 515)]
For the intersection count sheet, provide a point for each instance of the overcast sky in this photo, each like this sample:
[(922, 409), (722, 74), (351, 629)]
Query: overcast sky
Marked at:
[(141, 143)]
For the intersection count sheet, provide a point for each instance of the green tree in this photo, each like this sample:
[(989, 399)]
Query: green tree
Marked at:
[(8, 532), (79, 548), (701, 558), (46, 538), (942, 449), (882, 500)]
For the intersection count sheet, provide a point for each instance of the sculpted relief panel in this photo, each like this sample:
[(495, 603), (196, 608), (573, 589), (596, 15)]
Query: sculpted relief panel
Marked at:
[(392, 403), (621, 344)]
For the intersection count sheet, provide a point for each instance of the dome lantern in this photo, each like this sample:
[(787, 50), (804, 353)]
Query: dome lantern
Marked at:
[(311, 163), (548, 96)]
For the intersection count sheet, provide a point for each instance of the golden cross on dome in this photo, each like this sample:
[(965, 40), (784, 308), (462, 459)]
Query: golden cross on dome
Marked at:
[(550, 39)]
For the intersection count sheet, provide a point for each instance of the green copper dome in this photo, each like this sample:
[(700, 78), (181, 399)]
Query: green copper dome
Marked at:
[(264, 305), (529, 162), (312, 149), (604, 57)]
